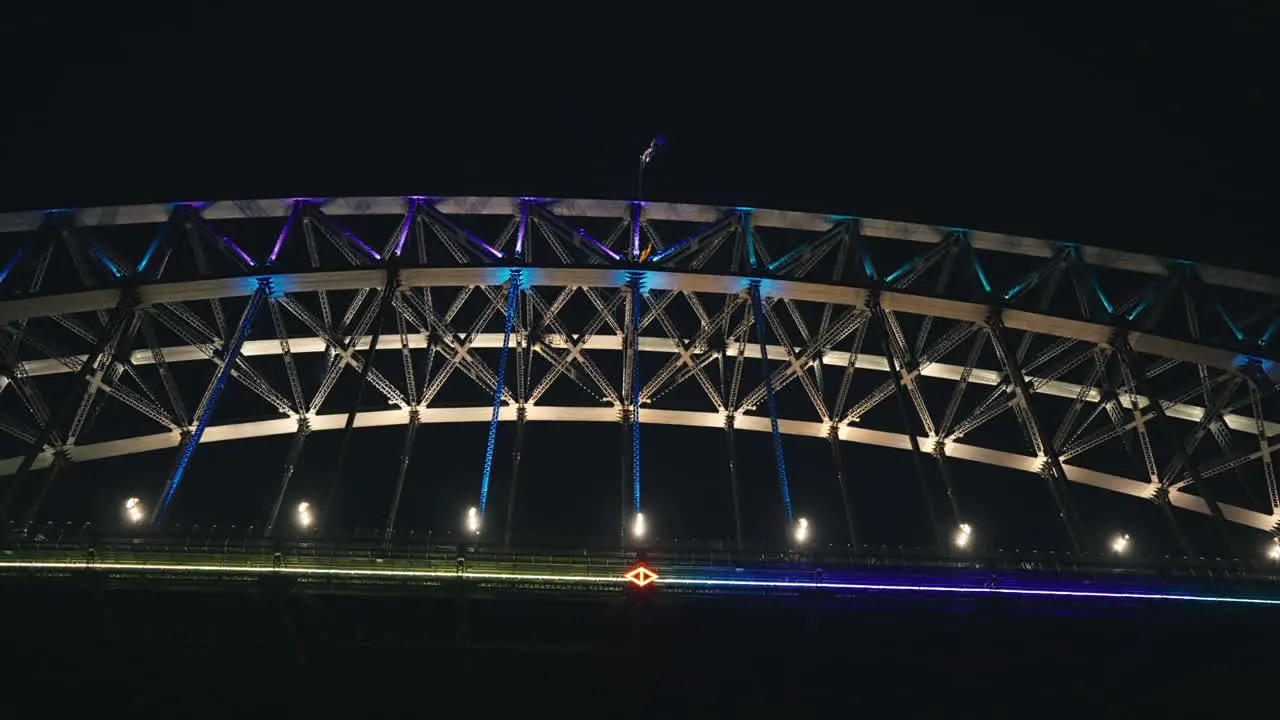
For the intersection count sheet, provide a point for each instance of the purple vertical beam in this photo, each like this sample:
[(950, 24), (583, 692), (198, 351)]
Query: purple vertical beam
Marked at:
[(403, 232), (284, 232), (635, 231), (522, 228)]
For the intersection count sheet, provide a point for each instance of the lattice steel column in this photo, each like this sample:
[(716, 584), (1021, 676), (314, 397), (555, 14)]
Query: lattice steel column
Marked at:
[(758, 313), (837, 458), (211, 396), (406, 454), (516, 451), (290, 464), (61, 459), (634, 281), (733, 479), (513, 293)]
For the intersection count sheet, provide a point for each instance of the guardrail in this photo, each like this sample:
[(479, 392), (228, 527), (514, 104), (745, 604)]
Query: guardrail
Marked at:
[(427, 552)]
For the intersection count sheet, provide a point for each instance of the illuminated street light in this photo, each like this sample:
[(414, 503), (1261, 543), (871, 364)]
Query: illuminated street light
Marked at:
[(305, 515), (133, 511), (473, 520), (964, 535), (638, 526), (802, 531), (1120, 544), (1273, 551)]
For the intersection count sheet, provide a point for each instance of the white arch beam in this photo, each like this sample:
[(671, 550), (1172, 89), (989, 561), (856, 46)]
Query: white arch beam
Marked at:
[(383, 418), (892, 300), (837, 358), (156, 213)]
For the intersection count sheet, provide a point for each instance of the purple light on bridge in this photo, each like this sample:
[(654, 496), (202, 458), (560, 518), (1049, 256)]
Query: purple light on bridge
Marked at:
[(484, 245), (403, 233), (284, 232), (355, 240), (244, 256), (636, 208), (523, 227), (599, 245)]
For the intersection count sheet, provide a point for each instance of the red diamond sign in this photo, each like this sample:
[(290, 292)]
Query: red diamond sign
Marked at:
[(641, 576)]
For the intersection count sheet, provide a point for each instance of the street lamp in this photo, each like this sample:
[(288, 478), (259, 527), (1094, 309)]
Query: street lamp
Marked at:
[(802, 531), (133, 512), (305, 515)]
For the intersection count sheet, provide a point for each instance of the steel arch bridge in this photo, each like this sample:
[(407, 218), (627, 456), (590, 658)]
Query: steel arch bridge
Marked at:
[(851, 329)]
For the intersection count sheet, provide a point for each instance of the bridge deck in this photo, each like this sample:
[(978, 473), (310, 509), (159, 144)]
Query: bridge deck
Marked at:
[(451, 569)]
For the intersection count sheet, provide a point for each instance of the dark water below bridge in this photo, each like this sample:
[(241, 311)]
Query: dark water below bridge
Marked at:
[(250, 652)]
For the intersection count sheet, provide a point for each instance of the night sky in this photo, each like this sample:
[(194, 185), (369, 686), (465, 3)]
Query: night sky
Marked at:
[(1154, 134)]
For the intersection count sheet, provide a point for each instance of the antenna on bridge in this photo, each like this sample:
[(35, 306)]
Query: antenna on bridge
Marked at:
[(645, 158)]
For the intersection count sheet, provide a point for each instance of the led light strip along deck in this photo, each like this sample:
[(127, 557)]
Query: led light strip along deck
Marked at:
[(621, 581)]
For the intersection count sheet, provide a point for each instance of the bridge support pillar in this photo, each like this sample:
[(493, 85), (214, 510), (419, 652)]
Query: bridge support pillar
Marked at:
[(286, 473), (1166, 507), (513, 297), (406, 454), (733, 480), (61, 459), (837, 458), (516, 450), (758, 310)]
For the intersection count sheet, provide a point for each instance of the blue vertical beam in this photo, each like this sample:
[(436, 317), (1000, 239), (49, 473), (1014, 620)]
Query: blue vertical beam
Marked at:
[(256, 301), (13, 262), (758, 306), (513, 292), (635, 281)]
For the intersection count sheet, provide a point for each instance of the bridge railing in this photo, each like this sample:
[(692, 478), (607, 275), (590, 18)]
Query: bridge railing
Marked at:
[(243, 547)]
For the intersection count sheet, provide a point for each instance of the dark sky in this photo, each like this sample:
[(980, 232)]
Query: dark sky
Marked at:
[(1155, 133)]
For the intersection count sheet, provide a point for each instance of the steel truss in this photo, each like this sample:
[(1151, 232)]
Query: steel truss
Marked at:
[(1088, 348)]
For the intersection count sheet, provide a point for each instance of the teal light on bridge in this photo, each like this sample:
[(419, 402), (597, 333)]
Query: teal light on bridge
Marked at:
[(907, 268), (151, 250), (867, 267), (1235, 329), (1102, 296), (106, 261), (1011, 292), (1266, 336), (982, 274)]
